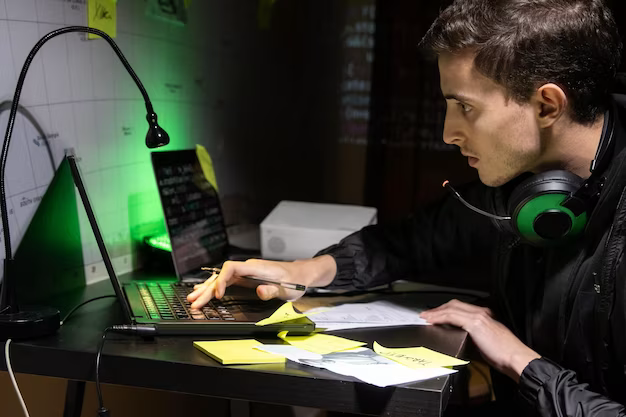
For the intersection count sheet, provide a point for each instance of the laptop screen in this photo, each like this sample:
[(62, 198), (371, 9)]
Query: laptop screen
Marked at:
[(193, 215), (82, 191)]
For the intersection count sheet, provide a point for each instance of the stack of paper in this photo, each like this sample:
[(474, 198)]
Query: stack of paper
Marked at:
[(382, 366), (362, 363), (357, 315)]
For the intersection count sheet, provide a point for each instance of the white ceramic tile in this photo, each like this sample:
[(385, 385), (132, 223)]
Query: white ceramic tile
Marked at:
[(102, 58), (25, 206), (23, 36), (86, 147), (3, 12), (50, 11), (81, 75), (21, 10), (125, 87), (38, 130), (130, 130), (75, 13), (104, 130), (19, 173), (62, 122), (7, 68), (55, 66), (143, 63), (14, 231), (126, 17)]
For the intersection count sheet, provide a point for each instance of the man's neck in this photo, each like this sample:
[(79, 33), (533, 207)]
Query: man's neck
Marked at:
[(572, 147)]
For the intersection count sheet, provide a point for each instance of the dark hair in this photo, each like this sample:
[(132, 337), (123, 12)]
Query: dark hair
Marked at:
[(523, 44)]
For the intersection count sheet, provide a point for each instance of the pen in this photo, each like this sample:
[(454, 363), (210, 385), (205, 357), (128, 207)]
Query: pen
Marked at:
[(288, 285)]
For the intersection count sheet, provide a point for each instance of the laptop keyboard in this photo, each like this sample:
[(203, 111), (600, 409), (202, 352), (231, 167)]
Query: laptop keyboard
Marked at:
[(168, 301)]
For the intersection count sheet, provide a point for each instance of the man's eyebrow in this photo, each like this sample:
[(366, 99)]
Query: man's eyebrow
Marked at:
[(457, 97)]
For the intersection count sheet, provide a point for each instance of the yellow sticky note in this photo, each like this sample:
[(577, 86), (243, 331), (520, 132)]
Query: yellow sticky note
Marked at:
[(207, 165), (102, 15), (237, 352), (320, 343), (418, 357), (284, 313)]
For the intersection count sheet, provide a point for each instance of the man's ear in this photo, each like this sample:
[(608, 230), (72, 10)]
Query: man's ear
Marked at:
[(551, 103)]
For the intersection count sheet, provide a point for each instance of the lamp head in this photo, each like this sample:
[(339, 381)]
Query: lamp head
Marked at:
[(156, 136)]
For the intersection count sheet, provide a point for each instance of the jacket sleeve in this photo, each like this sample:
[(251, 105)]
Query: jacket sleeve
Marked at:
[(554, 391), (443, 235)]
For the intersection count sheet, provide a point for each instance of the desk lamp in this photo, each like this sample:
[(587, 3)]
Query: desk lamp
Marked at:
[(16, 322)]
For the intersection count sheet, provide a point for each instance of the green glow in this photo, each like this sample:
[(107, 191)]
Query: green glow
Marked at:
[(160, 242)]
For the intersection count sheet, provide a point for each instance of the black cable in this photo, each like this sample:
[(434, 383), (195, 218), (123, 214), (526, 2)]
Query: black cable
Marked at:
[(140, 330), (102, 412), (83, 303)]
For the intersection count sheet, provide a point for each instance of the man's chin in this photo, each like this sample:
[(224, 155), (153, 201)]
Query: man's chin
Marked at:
[(492, 180)]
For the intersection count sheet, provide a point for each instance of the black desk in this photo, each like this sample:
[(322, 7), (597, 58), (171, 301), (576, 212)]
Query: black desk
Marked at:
[(172, 363)]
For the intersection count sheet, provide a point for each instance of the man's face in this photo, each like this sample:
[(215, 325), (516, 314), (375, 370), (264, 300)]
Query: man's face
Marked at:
[(499, 136)]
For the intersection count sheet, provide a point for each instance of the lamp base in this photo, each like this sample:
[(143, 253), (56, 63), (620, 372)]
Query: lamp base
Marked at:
[(29, 323)]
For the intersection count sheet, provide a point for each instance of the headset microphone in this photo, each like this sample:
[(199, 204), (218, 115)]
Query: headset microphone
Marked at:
[(446, 184)]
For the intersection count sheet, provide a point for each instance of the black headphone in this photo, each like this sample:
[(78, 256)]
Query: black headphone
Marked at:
[(553, 206)]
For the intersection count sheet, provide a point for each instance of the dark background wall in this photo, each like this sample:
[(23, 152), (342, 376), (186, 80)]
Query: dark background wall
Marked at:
[(407, 159)]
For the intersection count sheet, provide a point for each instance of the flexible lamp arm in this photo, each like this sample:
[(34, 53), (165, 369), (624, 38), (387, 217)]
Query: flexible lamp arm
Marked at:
[(155, 132)]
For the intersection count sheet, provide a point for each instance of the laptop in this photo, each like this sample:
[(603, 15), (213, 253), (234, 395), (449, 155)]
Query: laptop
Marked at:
[(163, 303)]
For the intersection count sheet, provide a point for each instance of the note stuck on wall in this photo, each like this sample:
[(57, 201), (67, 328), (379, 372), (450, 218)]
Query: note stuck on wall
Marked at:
[(207, 165), (102, 15)]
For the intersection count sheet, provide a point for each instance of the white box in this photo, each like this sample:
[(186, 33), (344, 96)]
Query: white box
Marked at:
[(298, 230)]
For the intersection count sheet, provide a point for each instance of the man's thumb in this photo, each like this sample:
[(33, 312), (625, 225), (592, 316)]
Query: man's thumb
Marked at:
[(266, 292)]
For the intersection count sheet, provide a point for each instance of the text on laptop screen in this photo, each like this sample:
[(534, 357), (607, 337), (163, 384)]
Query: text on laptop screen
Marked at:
[(192, 211)]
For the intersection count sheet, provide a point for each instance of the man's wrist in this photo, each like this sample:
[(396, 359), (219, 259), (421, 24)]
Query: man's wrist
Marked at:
[(520, 361), (319, 271)]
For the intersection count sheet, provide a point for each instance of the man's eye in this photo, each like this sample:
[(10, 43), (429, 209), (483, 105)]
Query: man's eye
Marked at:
[(464, 107)]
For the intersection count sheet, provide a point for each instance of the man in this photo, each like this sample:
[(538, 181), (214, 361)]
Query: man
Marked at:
[(527, 87)]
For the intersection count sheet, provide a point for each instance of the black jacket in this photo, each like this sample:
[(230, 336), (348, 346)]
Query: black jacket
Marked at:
[(568, 303)]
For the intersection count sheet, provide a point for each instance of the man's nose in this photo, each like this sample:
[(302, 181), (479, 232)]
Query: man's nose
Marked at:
[(452, 135)]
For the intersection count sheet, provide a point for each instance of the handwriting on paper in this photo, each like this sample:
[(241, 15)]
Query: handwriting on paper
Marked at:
[(418, 357), (102, 15)]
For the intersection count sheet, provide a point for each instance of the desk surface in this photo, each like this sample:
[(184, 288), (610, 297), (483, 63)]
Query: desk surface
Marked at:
[(172, 363)]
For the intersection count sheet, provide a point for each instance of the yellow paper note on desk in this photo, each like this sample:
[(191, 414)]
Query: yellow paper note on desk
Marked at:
[(237, 352), (284, 313), (320, 343), (418, 357), (102, 15)]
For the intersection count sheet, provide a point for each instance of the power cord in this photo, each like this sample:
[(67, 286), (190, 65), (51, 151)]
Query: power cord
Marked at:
[(83, 303), (8, 358), (102, 412), (146, 330), (12, 376)]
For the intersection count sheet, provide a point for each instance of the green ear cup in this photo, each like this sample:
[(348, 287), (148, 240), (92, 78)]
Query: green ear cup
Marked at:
[(542, 220)]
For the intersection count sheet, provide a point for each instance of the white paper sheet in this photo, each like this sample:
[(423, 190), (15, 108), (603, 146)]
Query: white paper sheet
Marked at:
[(361, 363), (373, 314)]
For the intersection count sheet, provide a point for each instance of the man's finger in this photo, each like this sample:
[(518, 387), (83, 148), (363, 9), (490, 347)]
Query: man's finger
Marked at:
[(456, 305), (267, 292), (204, 297)]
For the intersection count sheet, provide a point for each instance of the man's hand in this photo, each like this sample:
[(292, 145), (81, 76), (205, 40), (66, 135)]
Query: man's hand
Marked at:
[(497, 344), (314, 272)]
